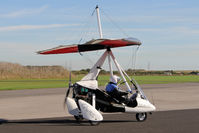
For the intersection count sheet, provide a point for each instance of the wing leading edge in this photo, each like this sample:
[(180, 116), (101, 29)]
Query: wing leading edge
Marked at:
[(92, 45)]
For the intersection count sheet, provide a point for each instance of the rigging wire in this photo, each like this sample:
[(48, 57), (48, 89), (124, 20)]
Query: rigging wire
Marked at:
[(83, 32), (115, 24), (134, 60), (134, 52), (89, 25), (89, 60), (86, 34), (131, 58)]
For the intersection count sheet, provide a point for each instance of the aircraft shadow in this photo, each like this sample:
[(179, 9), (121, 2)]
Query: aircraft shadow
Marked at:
[(60, 122)]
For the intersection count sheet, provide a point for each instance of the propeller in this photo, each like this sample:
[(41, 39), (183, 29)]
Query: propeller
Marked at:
[(152, 98), (68, 90)]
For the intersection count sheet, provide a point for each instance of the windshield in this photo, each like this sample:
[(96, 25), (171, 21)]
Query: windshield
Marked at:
[(138, 88)]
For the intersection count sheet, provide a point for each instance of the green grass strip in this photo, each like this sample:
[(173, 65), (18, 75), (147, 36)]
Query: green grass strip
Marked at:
[(103, 80)]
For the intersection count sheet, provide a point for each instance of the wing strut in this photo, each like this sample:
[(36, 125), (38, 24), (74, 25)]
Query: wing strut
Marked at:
[(91, 78)]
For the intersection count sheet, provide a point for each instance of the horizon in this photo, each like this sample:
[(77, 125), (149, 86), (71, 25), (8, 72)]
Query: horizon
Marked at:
[(168, 29), (137, 69)]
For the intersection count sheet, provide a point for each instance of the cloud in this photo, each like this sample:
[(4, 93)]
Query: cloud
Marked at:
[(32, 27), (172, 19), (24, 12), (186, 30), (178, 30)]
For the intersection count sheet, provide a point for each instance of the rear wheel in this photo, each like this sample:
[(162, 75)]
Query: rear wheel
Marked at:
[(94, 123), (78, 118), (141, 117)]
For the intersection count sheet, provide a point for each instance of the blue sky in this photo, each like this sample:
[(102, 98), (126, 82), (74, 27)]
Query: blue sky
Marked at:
[(169, 30)]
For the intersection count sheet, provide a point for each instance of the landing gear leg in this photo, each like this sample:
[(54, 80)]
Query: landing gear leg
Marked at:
[(141, 117)]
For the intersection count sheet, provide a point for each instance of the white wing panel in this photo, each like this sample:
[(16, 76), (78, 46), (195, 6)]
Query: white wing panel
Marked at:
[(89, 112)]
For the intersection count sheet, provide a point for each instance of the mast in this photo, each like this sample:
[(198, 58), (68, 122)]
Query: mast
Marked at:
[(99, 22)]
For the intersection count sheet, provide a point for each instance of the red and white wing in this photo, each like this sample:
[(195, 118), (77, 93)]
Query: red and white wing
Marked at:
[(92, 45)]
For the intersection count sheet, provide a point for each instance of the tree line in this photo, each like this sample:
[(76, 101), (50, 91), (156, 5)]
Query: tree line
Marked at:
[(17, 71)]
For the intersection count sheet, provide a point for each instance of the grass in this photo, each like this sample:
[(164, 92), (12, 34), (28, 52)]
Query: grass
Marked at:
[(30, 84), (166, 79), (103, 80)]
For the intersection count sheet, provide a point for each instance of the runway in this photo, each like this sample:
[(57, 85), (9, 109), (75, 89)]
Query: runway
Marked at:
[(48, 103), (41, 110), (180, 121)]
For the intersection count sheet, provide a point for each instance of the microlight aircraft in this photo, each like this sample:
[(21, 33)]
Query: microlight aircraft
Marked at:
[(85, 100)]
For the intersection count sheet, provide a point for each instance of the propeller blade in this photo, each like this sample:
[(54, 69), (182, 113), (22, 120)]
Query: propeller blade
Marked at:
[(68, 90), (69, 79), (153, 102), (65, 100)]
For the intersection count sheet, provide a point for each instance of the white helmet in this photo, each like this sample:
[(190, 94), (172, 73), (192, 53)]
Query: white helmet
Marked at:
[(115, 79)]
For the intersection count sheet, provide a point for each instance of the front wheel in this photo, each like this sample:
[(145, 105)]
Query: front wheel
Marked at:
[(94, 123), (141, 117)]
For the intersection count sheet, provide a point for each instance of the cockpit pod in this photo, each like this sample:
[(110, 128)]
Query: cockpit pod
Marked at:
[(143, 106)]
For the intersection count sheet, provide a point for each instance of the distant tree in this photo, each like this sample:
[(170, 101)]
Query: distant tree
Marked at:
[(194, 73), (103, 72)]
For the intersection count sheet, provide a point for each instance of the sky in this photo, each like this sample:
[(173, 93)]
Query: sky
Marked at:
[(168, 29)]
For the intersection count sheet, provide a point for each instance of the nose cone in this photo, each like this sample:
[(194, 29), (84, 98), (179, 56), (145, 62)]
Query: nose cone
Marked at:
[(153, 108)]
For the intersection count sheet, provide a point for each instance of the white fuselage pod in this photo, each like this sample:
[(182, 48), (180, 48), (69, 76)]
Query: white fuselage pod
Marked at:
[(143, 106), (72, 106), (89, 112)]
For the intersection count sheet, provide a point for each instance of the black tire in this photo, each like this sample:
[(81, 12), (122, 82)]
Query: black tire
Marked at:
[(78, 118), (94, 123), (141, 117), (2, 121)]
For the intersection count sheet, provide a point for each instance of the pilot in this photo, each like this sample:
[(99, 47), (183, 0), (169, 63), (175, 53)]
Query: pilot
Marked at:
[(113, 90)]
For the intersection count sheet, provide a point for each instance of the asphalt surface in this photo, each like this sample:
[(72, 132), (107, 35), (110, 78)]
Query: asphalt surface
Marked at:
[(41, 111), (54, 91), (48, 103), (181, 121)]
